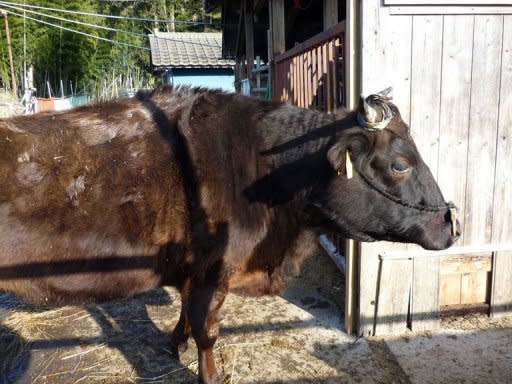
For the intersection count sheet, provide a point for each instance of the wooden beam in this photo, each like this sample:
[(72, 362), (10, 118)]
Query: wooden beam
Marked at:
[(249, 36), (277, 26), (311, 42), (330, 13), (239, 30)]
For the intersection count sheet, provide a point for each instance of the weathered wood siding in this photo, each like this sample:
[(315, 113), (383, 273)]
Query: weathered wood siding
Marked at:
[(452, 80)]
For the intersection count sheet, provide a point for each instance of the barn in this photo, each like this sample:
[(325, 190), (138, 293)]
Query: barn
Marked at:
[(450, 65), (191, 58)]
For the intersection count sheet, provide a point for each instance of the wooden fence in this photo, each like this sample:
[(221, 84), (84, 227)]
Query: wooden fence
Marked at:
[(311, 74)]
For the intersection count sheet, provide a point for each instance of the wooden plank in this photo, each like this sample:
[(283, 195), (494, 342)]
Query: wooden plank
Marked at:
[(455, 109), (393, 292), (426, 87), (321, 80), (466, 264), (352, 252), (483, 126), (450, 289), (352, 51), (330, 11), (327, 76), (295, 80), (314, 41), (314, 78), (368, 280), (473, 287), (418, 252), (386, 54), (445, 2), (334, 78), (249, 38), (385, 61), (450, 10), (300, 80), (501, 293), (277, 26), (427, 45), (309, 77), (425, 295), (502, 225)]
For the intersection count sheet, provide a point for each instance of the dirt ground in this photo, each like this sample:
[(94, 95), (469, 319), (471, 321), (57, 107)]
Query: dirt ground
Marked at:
[(296, 338)]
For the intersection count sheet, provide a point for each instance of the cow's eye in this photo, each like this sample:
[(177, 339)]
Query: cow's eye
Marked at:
[(400, 167)]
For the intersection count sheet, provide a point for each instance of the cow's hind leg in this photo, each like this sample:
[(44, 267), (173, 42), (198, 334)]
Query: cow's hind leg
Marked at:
[(203, 310)]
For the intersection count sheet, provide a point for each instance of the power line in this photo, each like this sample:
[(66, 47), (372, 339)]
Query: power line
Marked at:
[(159, 37), (79, 32), (141, 19), (74, 21)]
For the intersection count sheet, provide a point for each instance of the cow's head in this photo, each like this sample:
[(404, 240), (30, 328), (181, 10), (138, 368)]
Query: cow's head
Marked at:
[(380, 187)]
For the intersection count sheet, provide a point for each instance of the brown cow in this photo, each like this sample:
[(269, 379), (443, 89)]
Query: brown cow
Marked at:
[(202, 190)]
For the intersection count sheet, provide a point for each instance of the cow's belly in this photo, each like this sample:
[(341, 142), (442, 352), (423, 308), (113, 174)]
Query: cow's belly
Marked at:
[(74, 268), (82, 288)]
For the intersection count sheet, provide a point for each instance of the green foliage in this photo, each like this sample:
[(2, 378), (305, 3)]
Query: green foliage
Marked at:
[(78, 60)]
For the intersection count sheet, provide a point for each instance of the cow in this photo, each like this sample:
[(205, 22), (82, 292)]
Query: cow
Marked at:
[(206, 191)]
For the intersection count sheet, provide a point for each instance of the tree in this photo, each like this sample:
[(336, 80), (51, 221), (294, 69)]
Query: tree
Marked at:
[(62, 55)]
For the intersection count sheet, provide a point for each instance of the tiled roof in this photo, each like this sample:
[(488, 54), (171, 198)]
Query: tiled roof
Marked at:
[(188, 50)]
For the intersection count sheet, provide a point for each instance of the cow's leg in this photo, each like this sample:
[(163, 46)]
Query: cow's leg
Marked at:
[(203, 310), (181, 332)]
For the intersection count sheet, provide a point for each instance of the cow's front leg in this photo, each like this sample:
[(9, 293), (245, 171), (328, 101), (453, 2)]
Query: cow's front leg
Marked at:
[(203, 311), (181, 332)]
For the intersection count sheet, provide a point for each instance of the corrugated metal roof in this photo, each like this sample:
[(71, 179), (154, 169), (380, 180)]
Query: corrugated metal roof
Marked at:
[(188, 50)]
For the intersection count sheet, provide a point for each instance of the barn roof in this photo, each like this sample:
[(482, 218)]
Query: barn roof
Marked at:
[(188, 50)]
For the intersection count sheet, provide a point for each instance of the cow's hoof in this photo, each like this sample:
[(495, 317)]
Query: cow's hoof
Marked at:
[(182, 347), (177, 350)]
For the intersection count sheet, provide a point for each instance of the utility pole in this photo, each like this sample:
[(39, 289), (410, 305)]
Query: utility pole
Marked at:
[(9, 51)]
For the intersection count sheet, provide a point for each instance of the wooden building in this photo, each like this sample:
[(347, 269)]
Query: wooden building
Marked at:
[(450, 65), (191, 58)]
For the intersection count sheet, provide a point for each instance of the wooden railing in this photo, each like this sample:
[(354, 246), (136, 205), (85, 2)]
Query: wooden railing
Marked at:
[(311, 74)]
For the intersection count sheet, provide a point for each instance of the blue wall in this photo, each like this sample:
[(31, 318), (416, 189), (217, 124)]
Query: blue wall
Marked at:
[(211, 78)]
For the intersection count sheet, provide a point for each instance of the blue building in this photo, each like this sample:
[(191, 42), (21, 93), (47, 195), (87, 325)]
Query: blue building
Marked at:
[(191, 58)]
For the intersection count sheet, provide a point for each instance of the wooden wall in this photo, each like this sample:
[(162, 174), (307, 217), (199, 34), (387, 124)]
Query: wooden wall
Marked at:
[(452, 80)]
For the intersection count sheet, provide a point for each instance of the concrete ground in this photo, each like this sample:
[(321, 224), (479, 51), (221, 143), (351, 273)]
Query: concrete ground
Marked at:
[(297, 338)]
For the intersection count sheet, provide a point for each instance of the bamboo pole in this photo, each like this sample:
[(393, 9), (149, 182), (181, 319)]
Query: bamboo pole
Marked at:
[(9, 51)]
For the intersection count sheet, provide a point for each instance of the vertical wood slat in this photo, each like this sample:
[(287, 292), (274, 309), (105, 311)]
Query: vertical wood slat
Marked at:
[(332, 66), (393, 299), (314, 79), (385, 61), (325, 81), (483, 124), (501, 292), (427, 45), (321, 100), (454, 114)]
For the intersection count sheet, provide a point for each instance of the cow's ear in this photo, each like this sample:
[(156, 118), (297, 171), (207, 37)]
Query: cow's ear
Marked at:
[(352, 149), (336, 156)]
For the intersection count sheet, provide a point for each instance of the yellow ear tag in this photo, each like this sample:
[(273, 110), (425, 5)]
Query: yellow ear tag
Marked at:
[(348, 165)]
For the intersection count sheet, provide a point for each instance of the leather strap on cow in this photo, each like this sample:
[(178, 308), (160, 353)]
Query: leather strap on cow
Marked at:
[(419, 207)]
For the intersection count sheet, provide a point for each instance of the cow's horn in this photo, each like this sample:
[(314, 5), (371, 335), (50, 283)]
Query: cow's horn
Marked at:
[(370, 114), (386, 93)]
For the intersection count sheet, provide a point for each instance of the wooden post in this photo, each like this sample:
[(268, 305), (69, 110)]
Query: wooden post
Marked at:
[(9, 51), (278, 26), (330, 13), (249, 38)]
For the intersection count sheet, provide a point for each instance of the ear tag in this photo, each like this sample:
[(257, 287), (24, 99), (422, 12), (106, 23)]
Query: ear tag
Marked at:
[(348, 165)]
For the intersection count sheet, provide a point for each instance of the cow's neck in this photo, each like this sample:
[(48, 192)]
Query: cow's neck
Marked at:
[(294, 153)]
